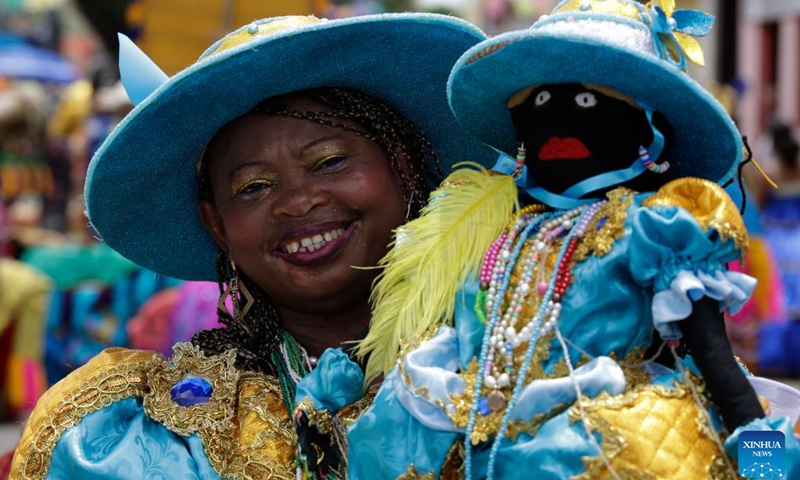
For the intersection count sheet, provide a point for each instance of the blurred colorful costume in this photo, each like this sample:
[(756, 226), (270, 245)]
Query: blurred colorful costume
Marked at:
[(764, 314), (523, 312), (781, 217)]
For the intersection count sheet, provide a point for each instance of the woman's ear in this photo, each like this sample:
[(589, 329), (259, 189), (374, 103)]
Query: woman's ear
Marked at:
[(212, 221)]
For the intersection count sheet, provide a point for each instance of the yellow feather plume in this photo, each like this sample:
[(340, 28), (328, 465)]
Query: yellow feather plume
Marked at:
[(431, 259)]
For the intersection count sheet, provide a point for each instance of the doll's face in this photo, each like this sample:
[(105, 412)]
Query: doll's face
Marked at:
[(572, 133)]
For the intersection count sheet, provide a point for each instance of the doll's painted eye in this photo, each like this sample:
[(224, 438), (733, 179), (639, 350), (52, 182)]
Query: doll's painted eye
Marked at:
[(585, 100), (541, 98)]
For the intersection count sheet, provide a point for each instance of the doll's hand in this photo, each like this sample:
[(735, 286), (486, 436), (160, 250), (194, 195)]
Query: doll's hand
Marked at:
[(704, 333)]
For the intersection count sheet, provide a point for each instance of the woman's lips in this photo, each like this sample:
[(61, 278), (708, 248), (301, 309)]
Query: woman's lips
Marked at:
[(317, 247)]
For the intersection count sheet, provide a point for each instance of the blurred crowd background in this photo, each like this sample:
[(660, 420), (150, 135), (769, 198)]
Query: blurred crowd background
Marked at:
[(64, 296)]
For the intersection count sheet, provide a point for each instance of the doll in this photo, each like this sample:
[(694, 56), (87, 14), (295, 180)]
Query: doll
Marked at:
[(528, 297)]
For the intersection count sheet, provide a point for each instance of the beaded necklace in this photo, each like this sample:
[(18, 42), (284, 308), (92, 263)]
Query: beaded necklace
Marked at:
[(292, 363), (499, 381)]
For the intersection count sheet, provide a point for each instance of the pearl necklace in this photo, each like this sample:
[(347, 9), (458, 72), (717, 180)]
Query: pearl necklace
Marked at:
[(499, 381)]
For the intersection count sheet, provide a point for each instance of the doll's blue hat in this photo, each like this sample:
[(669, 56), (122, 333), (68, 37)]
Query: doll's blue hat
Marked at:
[(141, 194), (639, 51)]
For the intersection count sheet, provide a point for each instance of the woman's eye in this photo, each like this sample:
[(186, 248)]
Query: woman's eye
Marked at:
[(331, 162), (253, 188), (585, 100), (541, 98)]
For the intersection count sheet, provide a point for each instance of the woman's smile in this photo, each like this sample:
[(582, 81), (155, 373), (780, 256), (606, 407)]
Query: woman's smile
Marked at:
[(315, 244)]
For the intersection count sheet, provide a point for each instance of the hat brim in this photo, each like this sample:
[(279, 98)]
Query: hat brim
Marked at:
[(706, 143), (141, 194)]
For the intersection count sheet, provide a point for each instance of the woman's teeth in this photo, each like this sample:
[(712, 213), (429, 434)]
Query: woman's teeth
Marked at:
[(312, 244)]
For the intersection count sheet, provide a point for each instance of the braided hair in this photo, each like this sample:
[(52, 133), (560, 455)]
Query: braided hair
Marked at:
[(257, 335)]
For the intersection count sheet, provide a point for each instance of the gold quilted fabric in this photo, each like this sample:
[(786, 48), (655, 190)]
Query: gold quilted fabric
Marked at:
[(653, 434)]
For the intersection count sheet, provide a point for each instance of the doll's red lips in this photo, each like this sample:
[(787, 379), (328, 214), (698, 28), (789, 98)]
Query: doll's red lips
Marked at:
[(569, 148)]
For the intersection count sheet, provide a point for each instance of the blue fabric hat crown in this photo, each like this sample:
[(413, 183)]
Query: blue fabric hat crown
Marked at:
[(141, 194), (638, 51)]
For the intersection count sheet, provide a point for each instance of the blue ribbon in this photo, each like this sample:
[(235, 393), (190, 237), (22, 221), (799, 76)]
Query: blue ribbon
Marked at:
[(690, 22)]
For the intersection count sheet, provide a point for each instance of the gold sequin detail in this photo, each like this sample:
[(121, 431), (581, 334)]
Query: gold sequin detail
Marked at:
[(598, 242), (532, 426), (411, 473), (321, 419), (484, 425), (709, 205), (112, 375), (648, 432)]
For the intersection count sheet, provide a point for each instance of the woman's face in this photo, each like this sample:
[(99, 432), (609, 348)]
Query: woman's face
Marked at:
[(299, 204)]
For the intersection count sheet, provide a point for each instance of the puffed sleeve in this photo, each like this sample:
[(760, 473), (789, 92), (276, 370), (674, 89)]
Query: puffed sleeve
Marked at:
[(681, 239), (91, 425)]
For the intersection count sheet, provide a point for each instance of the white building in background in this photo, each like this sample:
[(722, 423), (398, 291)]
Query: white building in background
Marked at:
[(768, 62)]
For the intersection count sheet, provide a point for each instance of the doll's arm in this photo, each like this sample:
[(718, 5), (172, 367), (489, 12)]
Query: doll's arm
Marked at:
[(704, 333)]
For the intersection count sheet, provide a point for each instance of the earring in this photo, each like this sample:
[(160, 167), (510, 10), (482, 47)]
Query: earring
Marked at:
[(520, 162), (651, 165), (409, 199), (237, 292)]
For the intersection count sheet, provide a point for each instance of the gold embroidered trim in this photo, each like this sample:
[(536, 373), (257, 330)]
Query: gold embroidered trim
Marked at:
[(486, 51), (188, 360), (264, 443), (350, 413), (112, 375), (532, 426), (718, 470), (453, 466), (411, 473), (709, 205), (422, 391), (319, 418)]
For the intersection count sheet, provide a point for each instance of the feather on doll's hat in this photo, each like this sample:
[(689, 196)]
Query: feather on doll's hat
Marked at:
[(638, 51), (141, 195)]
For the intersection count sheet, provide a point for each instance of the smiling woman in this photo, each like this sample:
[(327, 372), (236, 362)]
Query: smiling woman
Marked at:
[(279, 164)]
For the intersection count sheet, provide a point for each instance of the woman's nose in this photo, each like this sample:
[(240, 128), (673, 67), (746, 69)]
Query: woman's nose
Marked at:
[(298, 197)]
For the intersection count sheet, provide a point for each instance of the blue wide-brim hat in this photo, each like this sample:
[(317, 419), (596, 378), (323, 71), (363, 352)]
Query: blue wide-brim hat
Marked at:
[(141, 194), (638, 51)]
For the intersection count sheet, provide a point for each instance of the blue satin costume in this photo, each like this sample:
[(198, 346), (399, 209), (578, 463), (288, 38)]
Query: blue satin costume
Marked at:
[(664, 257)]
